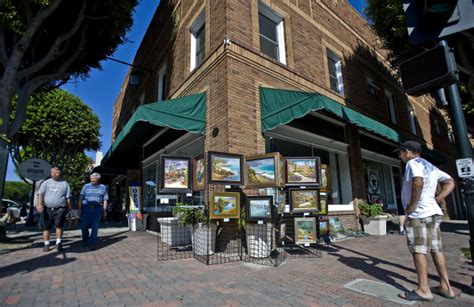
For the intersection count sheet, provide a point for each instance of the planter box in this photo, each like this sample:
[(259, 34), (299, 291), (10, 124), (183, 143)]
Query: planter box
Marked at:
[(204, 239), (376, 225), (173, 233), (259, 240)]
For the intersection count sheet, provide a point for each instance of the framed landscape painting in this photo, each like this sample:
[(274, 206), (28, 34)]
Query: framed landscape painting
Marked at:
[(304, 200), (225, 168), (224, 205), (199, 174), (323, 228), (264, 170), (259, 208), (323, 203), (325, 178), (302, 171), (175, 174), (305, 230)]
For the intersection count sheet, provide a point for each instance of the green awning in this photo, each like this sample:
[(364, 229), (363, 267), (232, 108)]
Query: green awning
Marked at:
[(279, 107), (184, 113)]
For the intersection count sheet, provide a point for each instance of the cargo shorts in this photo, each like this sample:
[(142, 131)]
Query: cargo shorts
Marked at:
[(424, 235)]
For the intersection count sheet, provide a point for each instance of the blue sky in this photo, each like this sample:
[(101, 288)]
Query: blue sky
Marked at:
[(100, 90)]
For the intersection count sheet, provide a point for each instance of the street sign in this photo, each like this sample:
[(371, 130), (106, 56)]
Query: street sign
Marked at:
[(34, 169), (465, 168)]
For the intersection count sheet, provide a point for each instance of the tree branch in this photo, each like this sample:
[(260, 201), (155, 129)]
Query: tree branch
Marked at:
[(54, 52), (13, 63)]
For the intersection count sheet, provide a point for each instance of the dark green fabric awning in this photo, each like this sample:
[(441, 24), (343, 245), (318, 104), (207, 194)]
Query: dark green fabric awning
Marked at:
[(279, 107), (184, 113)]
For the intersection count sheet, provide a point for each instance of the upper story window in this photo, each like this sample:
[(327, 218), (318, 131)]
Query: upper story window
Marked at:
[(272, 37), (412, 119), (198, 41), (437, 127), (390, 98), (335, 72), (161, 88), (372, 87)]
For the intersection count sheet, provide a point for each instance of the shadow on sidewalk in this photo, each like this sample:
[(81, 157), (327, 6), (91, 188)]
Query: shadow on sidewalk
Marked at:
[(54, 258), (368, 264)]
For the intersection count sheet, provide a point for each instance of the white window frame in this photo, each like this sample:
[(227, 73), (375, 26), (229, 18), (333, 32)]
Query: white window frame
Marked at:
[(195, 28), (411, 119), (280, 30), (331, 55), (160, 94), (390, 98)]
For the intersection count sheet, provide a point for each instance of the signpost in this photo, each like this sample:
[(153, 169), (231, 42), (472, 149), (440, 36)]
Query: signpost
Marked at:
[(34, 169)]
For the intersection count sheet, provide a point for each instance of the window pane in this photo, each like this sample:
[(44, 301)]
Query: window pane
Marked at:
[(200, 45), (267, 28), (149, 187), (268, 47)]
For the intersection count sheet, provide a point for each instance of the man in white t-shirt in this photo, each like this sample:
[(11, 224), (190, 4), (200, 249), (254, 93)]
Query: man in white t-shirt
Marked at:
[(423, 219)]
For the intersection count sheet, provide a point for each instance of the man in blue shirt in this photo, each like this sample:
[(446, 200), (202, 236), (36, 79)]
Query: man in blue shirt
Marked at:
[(92, 205)]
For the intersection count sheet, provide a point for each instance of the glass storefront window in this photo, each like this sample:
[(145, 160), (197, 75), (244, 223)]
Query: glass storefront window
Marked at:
[(380, 184), (150, 184)]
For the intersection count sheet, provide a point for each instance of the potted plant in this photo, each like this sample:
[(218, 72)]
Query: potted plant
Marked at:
[(203, 232), (373, 221)]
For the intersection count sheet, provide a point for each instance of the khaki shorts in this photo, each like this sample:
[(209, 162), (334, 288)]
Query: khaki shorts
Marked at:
[(424, 235)]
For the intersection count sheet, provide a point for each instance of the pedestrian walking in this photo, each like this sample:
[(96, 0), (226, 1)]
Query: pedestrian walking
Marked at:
[(92, 205), (424, 215), (54, 201)]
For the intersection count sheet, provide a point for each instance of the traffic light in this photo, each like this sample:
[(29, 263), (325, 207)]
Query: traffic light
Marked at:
[(429, 71), (430, 20)]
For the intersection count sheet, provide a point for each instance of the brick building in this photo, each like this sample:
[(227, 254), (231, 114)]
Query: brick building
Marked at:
[(299, 77)]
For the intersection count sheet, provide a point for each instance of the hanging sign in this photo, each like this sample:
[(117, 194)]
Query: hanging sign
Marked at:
[(465, 168), (373, 182), (34, 169)]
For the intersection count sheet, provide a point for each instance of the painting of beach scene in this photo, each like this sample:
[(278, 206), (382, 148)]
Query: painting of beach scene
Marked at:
[(225, 168), (264, 170), (304, 200), (302, 171), (225, 205), (259, 207), (175, 173), (199, 174), (305, 230)]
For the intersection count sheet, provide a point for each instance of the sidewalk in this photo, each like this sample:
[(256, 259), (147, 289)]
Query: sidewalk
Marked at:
[(125, 271)]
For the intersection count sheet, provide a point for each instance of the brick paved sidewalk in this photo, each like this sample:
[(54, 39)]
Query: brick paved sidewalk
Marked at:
[(124, 271)]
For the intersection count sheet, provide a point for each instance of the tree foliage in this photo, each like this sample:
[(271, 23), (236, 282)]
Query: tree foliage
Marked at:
[(46, 42), (387, 19), (17, 191), (59, 128)]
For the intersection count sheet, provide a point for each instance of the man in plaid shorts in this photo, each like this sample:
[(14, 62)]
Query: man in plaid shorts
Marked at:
[(423, 219)]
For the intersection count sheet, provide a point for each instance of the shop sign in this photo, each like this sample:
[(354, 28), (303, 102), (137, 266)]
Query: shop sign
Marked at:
[(373, 182)]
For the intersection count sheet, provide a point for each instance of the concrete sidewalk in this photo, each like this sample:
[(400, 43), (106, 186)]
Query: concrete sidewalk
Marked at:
[(125, 271)]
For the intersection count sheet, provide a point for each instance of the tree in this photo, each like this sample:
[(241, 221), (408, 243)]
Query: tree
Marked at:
[(44, 43), (59, 127), (387, 19), (17, 191)]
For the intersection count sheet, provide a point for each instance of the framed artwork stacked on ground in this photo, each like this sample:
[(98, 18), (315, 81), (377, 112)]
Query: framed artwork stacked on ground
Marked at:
[(303, 171), (225, 168), (304, 200), (305, 230), (199, 173), (175, 175), (259, 208), (265, 170), (224, 205), (324, 228)]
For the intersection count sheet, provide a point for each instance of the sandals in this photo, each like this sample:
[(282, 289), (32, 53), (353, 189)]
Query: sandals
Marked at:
[(413, 296), (437, 290)]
